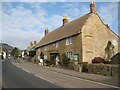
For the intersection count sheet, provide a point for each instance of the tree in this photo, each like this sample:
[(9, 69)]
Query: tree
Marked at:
[(15, 52), (109, 50)]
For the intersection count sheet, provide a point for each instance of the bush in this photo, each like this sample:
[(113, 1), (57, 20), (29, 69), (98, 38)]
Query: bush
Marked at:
[(107, 62), (48, 62), (65, 60)]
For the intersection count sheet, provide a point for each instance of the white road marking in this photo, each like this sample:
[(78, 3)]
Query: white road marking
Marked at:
[(44, 79), (92, 81), (26, 70)]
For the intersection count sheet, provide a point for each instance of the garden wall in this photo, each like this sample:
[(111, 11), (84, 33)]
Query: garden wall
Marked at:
[(104, 69)]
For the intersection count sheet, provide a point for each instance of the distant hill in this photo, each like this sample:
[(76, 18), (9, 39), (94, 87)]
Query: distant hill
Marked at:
[(6, 47)]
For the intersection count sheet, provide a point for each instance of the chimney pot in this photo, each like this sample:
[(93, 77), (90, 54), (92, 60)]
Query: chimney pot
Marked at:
[(46, 31), (65, 20), (107, 25), (31, 44), (93, 7)]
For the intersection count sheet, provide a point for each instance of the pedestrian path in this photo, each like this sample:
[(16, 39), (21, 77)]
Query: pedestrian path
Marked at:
[(93, 77)]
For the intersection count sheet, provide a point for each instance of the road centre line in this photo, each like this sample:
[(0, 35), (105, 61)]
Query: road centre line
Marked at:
[(44, 79)]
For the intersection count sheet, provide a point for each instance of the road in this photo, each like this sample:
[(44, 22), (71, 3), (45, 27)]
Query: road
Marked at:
[(30, 77), (14, 77)]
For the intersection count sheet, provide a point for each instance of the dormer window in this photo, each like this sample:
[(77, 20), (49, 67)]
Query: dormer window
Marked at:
[(69, 41)]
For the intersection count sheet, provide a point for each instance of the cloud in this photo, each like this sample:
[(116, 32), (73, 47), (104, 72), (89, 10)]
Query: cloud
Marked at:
[(25, 22), (75, 10), (34, 0), (109, 15), (20, 25), (54, 22), (108, 11), (58, 0)]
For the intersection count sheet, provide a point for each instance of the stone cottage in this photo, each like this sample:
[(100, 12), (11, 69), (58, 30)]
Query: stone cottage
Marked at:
[(82, 39)]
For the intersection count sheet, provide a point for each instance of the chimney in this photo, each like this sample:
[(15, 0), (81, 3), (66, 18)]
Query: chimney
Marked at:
[(46, 31), (107, 25), (35, 42), (31, 44), (65, 20), (93, 7)]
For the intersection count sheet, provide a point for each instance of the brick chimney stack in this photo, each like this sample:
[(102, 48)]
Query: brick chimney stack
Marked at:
[(31, 44), (107, 25), (65, 20), (93, 7), (46, 31)]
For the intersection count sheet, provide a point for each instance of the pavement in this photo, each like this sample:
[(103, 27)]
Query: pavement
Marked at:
[(93, 78)]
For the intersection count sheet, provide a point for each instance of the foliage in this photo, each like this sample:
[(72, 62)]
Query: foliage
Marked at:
[(109, 50), (34, 59), (47, 62), (107, 62), (15, 52), (65, 60)]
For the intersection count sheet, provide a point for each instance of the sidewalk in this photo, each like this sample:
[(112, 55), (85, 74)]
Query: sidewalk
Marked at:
[(93, 77), (86, 76)]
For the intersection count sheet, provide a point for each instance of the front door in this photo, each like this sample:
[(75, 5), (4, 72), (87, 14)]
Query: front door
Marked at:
[(54, 58)]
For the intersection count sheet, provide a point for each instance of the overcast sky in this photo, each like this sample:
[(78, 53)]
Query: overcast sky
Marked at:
[(23, 22)]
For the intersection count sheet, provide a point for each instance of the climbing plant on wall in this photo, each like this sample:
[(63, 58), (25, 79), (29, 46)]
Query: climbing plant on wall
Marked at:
[(109, 50)]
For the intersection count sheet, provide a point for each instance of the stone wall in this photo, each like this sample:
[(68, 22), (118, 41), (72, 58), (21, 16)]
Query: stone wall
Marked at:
[(95, 36), (104, 69), (75, 47)]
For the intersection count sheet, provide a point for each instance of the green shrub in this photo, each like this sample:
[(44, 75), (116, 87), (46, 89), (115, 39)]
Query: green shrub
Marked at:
[(65, 60), (48, 62)]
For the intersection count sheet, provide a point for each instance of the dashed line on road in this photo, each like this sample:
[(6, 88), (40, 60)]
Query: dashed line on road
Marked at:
[(44, 79)]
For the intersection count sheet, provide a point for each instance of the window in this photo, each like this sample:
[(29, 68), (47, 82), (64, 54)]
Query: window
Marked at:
[(69, 41), (57, 44), (45, 57), (69, 55), (46, 48)]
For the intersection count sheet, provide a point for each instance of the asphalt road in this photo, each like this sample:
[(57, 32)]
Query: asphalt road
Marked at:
[(13, 77)]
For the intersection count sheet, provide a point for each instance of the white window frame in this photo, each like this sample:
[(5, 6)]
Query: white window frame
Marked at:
[(69, 41), (69, 54), (57, 45)]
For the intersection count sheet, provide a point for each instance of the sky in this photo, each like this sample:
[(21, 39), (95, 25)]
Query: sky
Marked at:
[(23, 22)]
